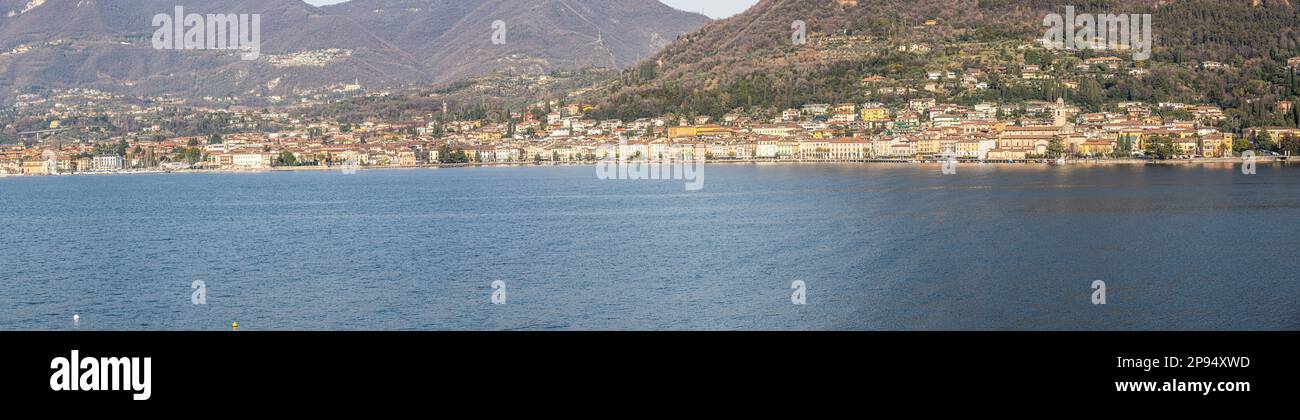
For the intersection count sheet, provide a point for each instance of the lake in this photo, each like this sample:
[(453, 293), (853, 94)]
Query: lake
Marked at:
[(877, 246)]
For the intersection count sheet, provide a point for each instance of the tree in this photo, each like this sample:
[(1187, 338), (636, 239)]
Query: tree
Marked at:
[(193, 155), (288, 159), (1291, 81), (1091, 94), (214, 139), (1240, 144), (1291, 145), (1161, 147), (1264, 141), (1124, 146), (444, 154), (1056, 148)]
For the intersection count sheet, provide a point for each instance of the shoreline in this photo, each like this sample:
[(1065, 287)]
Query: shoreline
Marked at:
[(1030, 162)]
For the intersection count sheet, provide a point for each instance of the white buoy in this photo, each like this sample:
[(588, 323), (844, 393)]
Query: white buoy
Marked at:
[(76, 318)]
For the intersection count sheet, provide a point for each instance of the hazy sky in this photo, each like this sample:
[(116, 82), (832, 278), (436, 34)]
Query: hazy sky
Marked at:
[(716, 9)]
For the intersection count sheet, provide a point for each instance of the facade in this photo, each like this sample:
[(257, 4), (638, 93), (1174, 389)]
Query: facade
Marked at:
[(1021, 142), (875, 114), (848, 148), (814, 149), (107, 163), (251, 161), (35, 167)]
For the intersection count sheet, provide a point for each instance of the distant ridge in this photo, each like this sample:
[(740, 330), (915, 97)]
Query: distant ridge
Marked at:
[(106, 44), (749, 60)]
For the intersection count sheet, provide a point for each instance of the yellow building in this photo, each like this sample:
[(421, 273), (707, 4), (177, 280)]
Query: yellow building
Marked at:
[(1097, 147), (811, 149), (1188, 146), (875, 114), (968, 148), (823, 134), (1020, 142), (406, 158), (487, 136), (928, 146), (1216, 144), (698, 131), (34, 167)]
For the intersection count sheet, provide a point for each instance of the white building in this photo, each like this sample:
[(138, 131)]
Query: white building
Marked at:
[(766, 149), (108, 163), (250, 161), (634, 150), (897, 147), (776, 130), (816, 109)]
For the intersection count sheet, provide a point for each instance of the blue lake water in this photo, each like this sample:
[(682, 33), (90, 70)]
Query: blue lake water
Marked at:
[(880, 247)]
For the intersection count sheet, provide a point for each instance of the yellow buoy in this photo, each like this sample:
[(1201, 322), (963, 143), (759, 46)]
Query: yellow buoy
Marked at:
[(234, 326)]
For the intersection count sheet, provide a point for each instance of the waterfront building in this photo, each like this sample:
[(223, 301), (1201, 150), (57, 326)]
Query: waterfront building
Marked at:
[(251, 160), (108, 163), (849, 148)]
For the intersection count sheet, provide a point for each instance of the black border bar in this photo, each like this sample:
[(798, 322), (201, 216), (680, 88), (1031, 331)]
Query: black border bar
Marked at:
[(289, 368)]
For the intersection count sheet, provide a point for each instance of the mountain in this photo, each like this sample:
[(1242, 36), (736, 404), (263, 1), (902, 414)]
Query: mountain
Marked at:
[(107, 44), (750, 61), (453, 38)]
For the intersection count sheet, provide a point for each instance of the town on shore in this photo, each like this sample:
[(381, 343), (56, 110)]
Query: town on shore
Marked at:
[(554, 132)]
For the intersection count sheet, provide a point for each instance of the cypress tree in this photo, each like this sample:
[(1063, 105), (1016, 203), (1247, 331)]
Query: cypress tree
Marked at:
[(1290, 81)]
